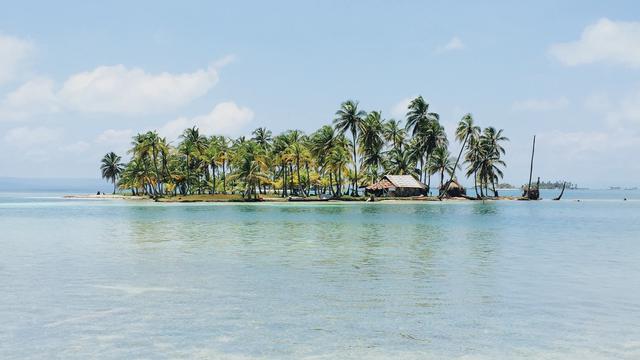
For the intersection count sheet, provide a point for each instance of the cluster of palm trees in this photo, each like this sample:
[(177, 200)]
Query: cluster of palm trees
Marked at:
[(338, 160)]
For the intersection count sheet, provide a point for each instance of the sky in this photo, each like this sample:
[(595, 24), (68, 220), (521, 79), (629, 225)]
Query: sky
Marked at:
[(78, 79)]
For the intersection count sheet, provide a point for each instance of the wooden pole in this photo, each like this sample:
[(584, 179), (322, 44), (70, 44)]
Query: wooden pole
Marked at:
[(531, 168), (561, 192)]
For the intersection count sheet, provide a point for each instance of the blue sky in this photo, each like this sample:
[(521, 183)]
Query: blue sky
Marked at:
[(77, 79)]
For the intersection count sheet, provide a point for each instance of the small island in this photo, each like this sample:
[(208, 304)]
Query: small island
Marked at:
[(340, 162)]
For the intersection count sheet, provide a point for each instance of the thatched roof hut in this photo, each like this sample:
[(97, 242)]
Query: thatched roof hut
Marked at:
[(397, 186), (453, 189)]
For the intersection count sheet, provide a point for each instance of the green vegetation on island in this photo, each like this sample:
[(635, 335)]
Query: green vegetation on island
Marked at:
[(543, 185), (335, 161)]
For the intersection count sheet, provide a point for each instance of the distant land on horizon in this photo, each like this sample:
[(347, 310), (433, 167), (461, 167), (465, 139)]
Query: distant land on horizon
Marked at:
[(84, 185)]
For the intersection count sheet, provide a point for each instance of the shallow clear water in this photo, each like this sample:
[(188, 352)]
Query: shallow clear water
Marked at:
[(115, 279)]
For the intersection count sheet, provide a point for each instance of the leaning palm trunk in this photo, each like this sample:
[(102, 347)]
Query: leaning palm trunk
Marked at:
[(213, 171), (300, 186), (455, 166), (155, 165), (224, 178), (306, 166), (475, 183), (331, 184), (355, 163), (428, 176), (493, 186), (284, 180)]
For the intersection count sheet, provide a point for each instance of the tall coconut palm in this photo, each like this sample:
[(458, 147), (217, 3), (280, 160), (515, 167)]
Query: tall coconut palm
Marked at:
[(491, 142), (337, 163), (473, 157), (394, 133), (263, 137), (426, 128), (111, 168), (465, 130), (441, 162), (152, 142), (297, 153), (249, 167), (418, 115), (429, 137), (493, 138), (192, 147), (372, 142), (348, 118), (140, 151), (402, 163)]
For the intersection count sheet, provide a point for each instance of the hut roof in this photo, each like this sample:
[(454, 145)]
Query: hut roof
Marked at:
[(405, 181), (398, 181), (454, 184), (381, 185)]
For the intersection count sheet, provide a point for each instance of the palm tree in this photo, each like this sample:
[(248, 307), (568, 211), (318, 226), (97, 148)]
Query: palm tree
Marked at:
[(466, 129), (394, 133), (326, 147), (249, 167), (337, 163), (402, 163), (371, 143), (483, 157), (429, 137), (473, 157), (441, 161), (192, 147), (263, 137), (152, 143), (134, 176), (418, 114), (111, 168), (297, 152), (492, 138), (490, 141), (327, 160), (424, 126), (348, 117)]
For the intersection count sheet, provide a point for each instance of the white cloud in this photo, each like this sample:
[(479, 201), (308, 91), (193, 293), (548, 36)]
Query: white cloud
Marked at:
[(117, 89), (453, 45), (25, 137), (34, 97), (226, 118), (112, 136), (13, 53), (540, 104), (111, 89), (606, 41), (224, 61)]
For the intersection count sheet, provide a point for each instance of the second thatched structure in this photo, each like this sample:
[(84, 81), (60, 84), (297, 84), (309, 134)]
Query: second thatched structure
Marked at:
[(453, 189)]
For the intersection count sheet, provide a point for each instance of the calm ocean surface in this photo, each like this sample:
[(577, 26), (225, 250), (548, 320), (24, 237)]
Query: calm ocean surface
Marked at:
[(501, 280)]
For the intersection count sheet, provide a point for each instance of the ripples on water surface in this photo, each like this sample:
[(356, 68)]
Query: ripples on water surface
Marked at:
[(114, 279)]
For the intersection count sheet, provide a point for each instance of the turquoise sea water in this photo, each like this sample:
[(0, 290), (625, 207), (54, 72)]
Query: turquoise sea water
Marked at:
[(501, 280)]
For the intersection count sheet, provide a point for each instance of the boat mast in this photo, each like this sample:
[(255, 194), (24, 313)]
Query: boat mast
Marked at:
[(531, 168)]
